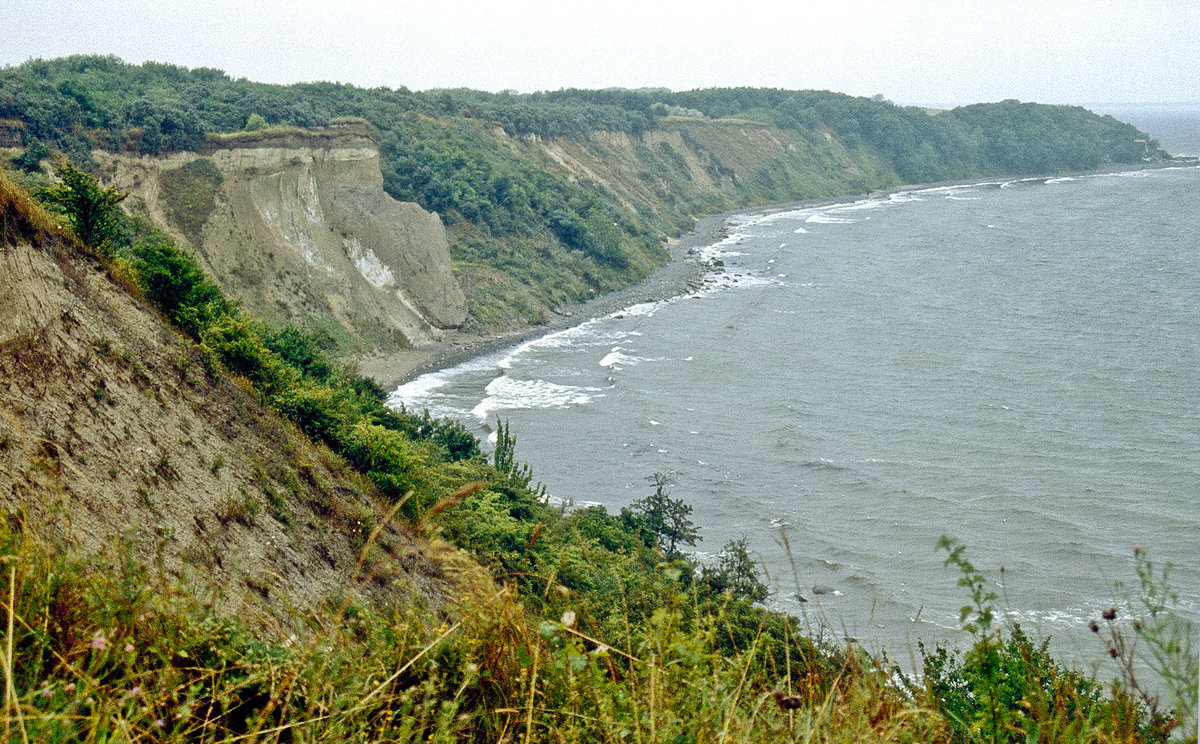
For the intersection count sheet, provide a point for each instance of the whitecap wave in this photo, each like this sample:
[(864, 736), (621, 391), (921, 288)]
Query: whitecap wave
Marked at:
[(618, 358), (508, 393), (424, 392), (869, 204), (823, 218)]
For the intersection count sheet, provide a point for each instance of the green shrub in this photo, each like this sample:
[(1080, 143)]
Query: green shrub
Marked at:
[(175, 283), (736, 573), (390, 459), (90, 209), (239, 347)]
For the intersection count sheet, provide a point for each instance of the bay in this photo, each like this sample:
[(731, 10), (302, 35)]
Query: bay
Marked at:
[(1012, 363)]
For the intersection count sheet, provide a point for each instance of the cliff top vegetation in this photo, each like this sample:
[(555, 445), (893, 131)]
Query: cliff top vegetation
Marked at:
[(529, 231)]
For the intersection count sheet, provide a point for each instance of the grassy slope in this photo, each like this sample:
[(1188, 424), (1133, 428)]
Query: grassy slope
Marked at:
[(107, 645)]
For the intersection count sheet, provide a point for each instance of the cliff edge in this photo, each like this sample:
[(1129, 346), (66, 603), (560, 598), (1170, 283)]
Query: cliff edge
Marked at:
[(296, 225), (115, 429)]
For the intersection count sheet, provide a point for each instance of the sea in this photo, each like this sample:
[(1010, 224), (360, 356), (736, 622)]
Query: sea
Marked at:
[(1014, 364)]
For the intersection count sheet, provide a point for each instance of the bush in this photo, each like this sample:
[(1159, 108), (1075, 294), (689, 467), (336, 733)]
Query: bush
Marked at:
[(391, 460), (736, 574), (175, 283), (90, 209)]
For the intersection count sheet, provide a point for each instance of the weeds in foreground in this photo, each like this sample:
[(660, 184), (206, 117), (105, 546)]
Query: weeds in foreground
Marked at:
[(102, 650), (1157, 640), (1005, 688)]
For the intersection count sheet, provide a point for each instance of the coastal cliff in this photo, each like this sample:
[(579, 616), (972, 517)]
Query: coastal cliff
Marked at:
[(687, 167), (116, 430), (295, 224)]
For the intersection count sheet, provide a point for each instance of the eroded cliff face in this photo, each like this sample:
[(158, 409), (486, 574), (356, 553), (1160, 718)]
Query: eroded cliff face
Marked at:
[(296, 225), (689, 167), (114, 429)]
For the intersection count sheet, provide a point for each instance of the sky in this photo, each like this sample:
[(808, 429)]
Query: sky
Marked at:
[(914, 52)]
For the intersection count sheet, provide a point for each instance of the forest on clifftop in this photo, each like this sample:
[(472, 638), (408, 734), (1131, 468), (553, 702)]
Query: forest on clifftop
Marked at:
[(528, 232)]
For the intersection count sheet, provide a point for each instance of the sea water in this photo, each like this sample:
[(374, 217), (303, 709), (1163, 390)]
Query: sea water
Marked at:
[(1015, 364)]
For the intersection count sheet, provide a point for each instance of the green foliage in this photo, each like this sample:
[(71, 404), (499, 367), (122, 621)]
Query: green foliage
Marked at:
[(662, 520), (174, 282), (1006, 689), (390, 459), (90, 209), (299, 350), (1155, 637), (979, 617), (30, 161), (504, 458), (736, 573), (188, 195), (255, 122)]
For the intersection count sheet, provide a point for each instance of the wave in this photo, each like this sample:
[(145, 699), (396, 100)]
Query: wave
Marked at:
[(823, 218), (506, 392), (424, 390), (617, 357)]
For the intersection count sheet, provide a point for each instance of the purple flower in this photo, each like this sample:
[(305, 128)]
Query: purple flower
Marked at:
[(99, 642), (160, 723), (135, 691)]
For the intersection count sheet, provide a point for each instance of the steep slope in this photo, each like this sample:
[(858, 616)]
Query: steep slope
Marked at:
[(296, 225), (687, 167), (114, 428)]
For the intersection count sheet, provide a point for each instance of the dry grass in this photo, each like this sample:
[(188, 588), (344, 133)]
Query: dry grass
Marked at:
[(23, 220)]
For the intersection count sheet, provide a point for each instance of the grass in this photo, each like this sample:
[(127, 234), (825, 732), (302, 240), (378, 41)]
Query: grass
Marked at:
[(23, 220), (562, 627), (99, 648)]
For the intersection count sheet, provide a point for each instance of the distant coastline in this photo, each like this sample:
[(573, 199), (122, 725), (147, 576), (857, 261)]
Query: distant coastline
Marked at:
[(682, 274)]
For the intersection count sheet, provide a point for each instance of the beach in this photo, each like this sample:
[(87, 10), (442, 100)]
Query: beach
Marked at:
[(683, 273)]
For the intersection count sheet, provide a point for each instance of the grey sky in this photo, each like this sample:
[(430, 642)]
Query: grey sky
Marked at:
[(912, 51)]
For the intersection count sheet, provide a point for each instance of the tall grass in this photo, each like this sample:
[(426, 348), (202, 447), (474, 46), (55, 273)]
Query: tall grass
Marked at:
[(101, 649)]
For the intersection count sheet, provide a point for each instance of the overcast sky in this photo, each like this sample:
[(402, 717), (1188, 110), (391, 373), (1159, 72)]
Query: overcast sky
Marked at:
[(933, 52)]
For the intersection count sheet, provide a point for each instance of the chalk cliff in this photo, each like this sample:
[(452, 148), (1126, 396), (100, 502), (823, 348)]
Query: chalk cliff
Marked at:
[(295, 224)]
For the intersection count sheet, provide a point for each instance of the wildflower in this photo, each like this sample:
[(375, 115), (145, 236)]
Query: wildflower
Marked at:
[(1092, 626), (47, 692), (1137, 549), (135, 691), (69, 688), (159, 723), (1110, 614), (99, 642), (129, 648)]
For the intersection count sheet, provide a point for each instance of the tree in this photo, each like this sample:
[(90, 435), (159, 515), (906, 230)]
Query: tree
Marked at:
[(90, 209), (255, 122), (736, 573), (663, 520)]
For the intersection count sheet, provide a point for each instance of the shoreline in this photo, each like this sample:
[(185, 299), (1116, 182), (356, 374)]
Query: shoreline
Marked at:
[(679, 276)]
